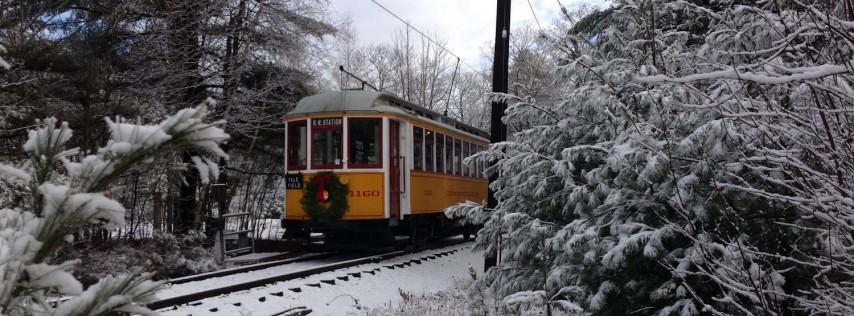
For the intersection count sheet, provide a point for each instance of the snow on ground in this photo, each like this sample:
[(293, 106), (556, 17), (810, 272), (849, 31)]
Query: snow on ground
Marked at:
[(352, 297), (268, 228)]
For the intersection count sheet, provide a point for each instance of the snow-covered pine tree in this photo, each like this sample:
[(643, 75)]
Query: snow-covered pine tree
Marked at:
[(699, 162), (31, 283)]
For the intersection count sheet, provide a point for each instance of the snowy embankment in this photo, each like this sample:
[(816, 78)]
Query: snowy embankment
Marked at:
[(351, 297)]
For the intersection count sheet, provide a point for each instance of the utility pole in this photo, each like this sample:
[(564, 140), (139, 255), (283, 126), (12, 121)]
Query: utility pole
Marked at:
[(497, 129)]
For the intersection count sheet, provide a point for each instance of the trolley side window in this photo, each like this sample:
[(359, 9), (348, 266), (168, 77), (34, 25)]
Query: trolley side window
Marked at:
[(428, 150), (297, 145), (440, 153), (326, 140), (417, 148), (474, 163), (449, 155), (365, 142), (467, 167), (479, 165), (458, 153), (482, 165)]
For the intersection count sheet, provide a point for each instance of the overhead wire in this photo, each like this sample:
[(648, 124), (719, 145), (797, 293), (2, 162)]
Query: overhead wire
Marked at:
[(451, 89), (408, 25), (565, 13), (536, 19)]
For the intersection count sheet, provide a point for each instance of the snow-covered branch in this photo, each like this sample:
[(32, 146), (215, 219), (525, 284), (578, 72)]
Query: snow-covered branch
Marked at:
[(29, 238), (697, 160)]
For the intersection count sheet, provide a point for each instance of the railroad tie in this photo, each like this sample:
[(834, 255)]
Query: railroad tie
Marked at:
[(344, 277), (294, 311)]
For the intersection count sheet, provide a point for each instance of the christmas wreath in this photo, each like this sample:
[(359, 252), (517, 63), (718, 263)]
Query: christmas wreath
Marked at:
[(324, 198)]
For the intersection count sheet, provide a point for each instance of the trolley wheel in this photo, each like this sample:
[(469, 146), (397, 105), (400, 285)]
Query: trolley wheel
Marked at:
[(469, 231), (297, 233)]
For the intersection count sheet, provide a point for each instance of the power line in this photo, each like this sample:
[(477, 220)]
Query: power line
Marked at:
[(535, 16), (565, 13), (424, 35)]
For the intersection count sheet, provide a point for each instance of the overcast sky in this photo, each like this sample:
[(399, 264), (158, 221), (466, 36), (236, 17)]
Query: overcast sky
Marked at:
[(465, 25)]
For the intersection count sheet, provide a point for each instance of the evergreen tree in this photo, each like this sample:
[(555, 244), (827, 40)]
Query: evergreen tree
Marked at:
[(32, 283), (84, 60), (698, 161)]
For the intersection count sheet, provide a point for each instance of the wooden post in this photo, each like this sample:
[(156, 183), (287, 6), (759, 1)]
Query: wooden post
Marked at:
[(497, 130), (220, 194)]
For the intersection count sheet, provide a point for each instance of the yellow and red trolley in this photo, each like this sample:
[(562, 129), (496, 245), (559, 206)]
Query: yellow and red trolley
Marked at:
[(402, 163)]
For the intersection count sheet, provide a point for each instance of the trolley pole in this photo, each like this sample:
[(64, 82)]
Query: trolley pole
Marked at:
[(497, 130)]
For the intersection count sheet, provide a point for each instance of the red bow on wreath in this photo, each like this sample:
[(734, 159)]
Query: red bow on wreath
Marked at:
[(322, 195)]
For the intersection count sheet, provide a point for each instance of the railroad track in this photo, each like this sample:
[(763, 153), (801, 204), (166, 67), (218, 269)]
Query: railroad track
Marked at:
[(193, 297), (248, 268)]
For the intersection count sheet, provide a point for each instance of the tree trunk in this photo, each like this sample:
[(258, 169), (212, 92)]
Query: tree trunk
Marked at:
[(157, 212), (186, 55), (186, 212)]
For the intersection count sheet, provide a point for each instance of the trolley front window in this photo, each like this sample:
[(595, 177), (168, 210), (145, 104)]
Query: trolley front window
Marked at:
[(297, 152), (365, 142), (326, 152), (417, 149)]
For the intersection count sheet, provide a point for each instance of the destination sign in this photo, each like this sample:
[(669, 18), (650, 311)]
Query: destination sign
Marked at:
[(327, 122)]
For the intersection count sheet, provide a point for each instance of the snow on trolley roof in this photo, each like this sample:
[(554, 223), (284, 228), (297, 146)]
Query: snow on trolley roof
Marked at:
[(349, 101)]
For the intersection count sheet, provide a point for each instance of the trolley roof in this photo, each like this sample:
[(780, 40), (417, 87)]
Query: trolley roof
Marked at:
[(375, 102)]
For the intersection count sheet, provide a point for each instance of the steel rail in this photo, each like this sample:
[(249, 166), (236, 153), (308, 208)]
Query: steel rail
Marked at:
[(192, 297), (247, 268), (187, 298)]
